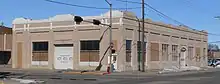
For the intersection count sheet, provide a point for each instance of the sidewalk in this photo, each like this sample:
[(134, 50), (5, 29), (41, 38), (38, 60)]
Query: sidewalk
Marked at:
[(156, 72), (150, 72), (74, 72)]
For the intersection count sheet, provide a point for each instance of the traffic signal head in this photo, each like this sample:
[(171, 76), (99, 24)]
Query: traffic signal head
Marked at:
[(96, 22), (78, 19)]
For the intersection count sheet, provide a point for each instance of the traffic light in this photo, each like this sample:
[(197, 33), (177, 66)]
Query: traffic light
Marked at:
[(78, 19), (96, 22)]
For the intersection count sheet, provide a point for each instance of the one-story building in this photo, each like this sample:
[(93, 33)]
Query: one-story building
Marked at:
[(59, 43), (5, 44)]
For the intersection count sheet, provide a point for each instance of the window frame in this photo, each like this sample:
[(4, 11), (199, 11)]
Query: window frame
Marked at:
[(94, 48), (94, 43), (128, 50), (165, 52), (37, 46), (175, 52)]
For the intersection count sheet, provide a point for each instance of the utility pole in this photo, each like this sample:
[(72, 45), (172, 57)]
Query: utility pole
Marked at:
[(142, 43), (139, 44), (110, 36)]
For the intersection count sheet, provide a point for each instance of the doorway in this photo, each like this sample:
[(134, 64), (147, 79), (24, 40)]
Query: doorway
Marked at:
[(63, 56)]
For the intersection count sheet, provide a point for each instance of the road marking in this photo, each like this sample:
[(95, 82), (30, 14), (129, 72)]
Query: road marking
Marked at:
[(159, 82)]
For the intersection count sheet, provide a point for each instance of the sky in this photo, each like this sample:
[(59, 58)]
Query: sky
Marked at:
[(198, 14)]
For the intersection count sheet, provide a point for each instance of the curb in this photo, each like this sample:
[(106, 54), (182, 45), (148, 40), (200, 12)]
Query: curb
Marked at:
[(76, 73), (94, 73), (86, 73)]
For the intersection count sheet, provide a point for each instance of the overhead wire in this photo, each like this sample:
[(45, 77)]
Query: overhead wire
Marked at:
[(89, 7), (164, 15), (160, 13), (215, 42)]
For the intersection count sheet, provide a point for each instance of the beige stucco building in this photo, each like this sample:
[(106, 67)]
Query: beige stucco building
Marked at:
[(59, 43)]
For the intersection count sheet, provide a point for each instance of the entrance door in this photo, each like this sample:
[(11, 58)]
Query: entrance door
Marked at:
[(19, 54), (113, 60), (63, 56), (183, 57)]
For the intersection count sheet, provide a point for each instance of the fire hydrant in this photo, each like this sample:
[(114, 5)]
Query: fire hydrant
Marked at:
[(108, 69)]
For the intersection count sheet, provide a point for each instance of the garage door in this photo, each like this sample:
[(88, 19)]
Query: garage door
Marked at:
[(63, 56)]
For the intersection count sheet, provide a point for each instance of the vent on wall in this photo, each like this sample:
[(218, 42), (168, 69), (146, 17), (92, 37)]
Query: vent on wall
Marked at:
[(165, 35), (183, 38), (88, 29), (191, 39), (19, 32), (129, 29), (198, 40), (175, 37), (154, 33), (63, 31), (40, 32), (141, 31)]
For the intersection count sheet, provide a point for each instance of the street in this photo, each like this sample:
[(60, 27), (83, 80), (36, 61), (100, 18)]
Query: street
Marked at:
[(171, 78)]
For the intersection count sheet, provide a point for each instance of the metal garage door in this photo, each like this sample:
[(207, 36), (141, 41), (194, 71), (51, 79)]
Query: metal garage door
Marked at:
[(63, 56)]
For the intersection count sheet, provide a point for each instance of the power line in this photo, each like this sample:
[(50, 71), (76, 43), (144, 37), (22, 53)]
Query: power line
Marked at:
[(161, 14), (215, 42), (164, 15), (89, 7)]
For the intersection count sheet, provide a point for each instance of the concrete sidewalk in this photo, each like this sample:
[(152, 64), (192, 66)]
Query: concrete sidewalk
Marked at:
[(70, 72), (156, 72)]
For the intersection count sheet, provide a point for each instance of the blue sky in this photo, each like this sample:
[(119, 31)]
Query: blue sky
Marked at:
[(198, 14)]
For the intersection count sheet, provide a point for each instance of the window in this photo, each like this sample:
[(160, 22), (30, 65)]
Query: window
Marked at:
[(198, 56), (154, 51), (140, 51), (89, 45), (40, 51), (128, 44), (89, 51), (40, 46), (165, 52), (204, 54), (128, 50), (190, 53), (174, 52)]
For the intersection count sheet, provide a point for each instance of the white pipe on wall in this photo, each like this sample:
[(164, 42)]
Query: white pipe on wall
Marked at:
[(4, 42)]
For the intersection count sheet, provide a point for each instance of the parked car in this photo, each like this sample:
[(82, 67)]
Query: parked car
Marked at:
[(210, 62), (214, 62)]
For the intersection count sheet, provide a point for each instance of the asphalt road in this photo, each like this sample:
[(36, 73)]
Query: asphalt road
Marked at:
[(192, 78), (212, 77)]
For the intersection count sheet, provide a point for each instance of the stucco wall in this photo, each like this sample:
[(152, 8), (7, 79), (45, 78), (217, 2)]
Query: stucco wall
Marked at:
[(62, 30)]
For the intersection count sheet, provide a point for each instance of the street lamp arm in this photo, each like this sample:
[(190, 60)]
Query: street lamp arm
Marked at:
[(108, 2), (87, 21), (106, 25)]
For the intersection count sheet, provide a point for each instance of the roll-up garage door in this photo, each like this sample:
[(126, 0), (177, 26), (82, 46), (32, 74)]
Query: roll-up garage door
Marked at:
[(63, 56)]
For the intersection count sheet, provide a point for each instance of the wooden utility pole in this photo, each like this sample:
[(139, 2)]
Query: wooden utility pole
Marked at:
[(142, 43)]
